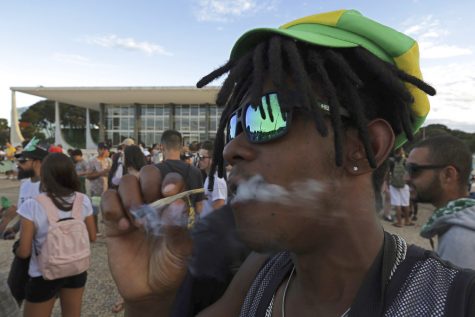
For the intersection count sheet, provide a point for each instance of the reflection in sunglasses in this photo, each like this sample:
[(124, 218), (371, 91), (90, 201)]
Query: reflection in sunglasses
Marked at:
[(262, 123)]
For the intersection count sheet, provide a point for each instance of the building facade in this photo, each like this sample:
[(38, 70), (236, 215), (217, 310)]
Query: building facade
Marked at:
[(146, 123), (142, 113)]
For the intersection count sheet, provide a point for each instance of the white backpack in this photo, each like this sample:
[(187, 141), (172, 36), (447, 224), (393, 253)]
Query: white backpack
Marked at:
[(66, 251)]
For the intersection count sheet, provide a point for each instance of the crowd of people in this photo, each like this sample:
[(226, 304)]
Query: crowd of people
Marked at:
[(46, 172), (312, 112)]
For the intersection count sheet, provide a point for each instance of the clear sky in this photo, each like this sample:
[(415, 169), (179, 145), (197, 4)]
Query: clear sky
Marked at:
[(174, 43)]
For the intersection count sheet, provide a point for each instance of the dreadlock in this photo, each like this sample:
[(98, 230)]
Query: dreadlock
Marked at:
[(350, 78)]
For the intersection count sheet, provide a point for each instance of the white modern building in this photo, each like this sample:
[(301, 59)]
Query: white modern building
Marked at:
[(142, 113)]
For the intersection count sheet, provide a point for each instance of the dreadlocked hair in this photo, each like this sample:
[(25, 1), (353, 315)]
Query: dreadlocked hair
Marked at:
[(349, 78)]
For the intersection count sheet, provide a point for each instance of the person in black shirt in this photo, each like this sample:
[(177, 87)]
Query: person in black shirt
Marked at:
[(171, 143)]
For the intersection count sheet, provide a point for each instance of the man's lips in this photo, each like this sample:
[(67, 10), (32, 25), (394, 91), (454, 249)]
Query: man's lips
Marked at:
[(233, 184)]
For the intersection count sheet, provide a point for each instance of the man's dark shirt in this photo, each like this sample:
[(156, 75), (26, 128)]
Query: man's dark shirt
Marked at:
[(190, 174)]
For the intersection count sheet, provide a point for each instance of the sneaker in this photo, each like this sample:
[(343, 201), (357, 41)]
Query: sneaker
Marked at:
[(388, 218)]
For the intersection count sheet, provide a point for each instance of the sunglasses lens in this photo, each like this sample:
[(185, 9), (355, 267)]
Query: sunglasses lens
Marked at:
[(232, 128), (265, 123), (412, 169)]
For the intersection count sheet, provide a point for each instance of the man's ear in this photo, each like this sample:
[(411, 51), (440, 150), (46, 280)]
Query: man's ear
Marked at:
[(449, 176), (381, 138)]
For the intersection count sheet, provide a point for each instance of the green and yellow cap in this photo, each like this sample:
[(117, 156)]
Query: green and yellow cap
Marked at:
[(349, 28)]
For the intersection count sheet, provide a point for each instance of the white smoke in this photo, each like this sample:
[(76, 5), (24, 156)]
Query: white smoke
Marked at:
[(257, 189)]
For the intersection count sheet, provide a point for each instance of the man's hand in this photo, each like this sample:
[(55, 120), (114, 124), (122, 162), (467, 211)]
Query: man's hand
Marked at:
[(146, 269), (8, 215)]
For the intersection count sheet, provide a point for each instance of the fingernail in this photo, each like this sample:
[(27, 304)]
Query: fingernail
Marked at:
[(123, 224), (169, 188)]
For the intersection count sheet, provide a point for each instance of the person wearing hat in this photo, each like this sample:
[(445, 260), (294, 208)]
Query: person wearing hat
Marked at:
[(29, 166), (312, 110)]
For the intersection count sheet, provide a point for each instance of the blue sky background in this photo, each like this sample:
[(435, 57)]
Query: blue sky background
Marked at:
[(174, 43)]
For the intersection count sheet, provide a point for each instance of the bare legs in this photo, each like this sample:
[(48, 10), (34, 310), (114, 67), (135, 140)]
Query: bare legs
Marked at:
[(403, 212), (71, 301)]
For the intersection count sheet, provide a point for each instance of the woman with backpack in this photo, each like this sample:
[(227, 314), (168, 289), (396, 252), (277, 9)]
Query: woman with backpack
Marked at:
[(56, 227)]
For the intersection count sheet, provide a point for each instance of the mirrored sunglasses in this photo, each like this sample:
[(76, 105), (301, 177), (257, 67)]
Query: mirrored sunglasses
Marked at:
[(265, 122), (260, 123)]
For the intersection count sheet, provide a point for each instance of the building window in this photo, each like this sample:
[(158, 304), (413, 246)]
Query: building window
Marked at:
[(195, 122)]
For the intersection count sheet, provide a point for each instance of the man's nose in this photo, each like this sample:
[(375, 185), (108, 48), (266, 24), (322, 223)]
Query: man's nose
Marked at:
[(239, 149)]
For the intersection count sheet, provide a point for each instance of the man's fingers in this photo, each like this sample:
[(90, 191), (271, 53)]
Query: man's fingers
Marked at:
[(172, 184), (129, 192), (115, 219), (150, 183)]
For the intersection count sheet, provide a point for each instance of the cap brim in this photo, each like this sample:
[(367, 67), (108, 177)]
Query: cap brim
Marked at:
[(325, 36), (255, 36)]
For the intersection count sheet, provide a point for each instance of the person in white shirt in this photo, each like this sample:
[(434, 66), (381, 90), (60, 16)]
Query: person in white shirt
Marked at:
[(60, 183), (217, 197), (29, 169), (29, 165)]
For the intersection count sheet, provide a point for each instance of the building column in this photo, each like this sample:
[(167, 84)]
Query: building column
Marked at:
[(58, 136), (137, 122), (15, 134), (102, 126), (89, 141)]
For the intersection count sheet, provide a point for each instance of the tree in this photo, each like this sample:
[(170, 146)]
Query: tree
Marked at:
[(4, 131), (39, 120), (437, 129)]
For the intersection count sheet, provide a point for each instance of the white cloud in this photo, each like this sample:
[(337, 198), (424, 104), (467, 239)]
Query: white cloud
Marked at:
[(424, 27), (455, 100), (128, 43), (71, 58), (227, 10), (431, 34), (432, 50)]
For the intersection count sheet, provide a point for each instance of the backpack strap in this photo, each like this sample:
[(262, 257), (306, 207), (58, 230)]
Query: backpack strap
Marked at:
[(77, 206), (49, 208), (52, 211)]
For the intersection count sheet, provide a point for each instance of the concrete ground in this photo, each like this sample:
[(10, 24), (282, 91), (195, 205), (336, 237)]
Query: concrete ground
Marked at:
[(101, 292)]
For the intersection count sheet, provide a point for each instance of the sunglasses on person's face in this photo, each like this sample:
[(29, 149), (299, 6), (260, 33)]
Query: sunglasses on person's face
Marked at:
[(266, 122), (22, 161), (202, 157), (260, 123), (414, 169)]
